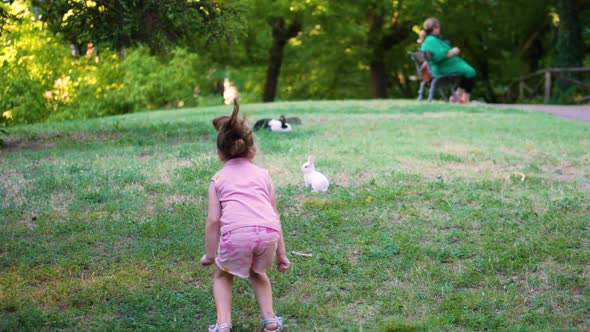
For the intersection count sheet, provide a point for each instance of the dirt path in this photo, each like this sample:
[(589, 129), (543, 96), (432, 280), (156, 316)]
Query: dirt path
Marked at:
[(580, 113)]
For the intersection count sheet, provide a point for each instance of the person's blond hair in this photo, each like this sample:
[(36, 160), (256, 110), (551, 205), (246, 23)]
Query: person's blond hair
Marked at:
[(430, 24), (421, 36)]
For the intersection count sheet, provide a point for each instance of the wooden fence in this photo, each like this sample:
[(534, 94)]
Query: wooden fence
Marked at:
[(530, 84)]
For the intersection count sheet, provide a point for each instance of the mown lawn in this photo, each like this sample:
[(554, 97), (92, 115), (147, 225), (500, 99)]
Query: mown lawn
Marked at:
[(440, 217)]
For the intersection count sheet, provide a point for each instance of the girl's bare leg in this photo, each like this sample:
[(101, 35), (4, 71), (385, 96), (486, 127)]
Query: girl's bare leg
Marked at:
[(263, 290), (222, 287), (466, 98), (460, 93)]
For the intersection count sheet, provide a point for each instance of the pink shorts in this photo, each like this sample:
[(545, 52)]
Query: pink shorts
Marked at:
[(247, 248)]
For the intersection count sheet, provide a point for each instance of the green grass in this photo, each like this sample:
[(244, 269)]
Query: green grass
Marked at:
[(439, 217)]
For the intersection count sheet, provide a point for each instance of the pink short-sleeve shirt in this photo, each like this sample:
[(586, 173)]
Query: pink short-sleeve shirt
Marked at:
[(244, 191)]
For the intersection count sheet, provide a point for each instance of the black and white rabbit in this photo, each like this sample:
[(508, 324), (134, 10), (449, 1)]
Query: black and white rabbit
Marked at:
[(279, 126)]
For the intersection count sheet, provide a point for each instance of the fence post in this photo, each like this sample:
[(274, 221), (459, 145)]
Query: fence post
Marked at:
[(547, 86)]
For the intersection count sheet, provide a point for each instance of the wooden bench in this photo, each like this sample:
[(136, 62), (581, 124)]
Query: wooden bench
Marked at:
[(420, 59)]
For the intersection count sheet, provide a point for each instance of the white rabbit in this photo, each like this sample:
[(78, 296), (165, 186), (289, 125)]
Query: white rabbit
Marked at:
[(314, 179)]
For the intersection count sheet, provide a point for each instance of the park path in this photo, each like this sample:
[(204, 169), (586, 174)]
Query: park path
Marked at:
[(578, 112)]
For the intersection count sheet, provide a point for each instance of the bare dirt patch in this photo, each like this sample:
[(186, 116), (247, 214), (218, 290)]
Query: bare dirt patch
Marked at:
[(579, 175), (145, 156), (21, 144)]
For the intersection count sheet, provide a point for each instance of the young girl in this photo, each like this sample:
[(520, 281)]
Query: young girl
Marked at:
[(243, 226)]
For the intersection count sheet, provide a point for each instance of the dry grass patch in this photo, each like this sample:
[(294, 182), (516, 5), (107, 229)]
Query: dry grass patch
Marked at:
[(12, 186), (179, 198), (164, 170), (434, 169), (568, 173), (60, 201), (462, 150)]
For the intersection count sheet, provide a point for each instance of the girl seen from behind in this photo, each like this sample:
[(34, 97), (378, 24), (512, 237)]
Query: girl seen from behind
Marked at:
[(243, 232)]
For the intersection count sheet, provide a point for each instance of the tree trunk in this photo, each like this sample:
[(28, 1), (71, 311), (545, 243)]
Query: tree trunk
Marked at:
[(379, 41), (533, 50), (378, 79), (485, 79), (280, 36), (568, 49), (569, 36), (275, 61), (376, 63)]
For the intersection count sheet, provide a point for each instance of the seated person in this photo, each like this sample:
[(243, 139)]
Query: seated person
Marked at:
[(445, 60)]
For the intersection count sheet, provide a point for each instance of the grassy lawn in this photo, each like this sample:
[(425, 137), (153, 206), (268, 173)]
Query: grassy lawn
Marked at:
[(439, 217)]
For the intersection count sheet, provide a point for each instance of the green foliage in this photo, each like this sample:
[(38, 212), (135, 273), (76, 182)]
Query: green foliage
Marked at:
[(163, 55), (5, 16), (160, 26), (139, 82), (32, 61), (44, 82), (153, 83)]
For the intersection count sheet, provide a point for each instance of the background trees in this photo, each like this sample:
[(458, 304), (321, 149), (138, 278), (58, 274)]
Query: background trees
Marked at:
[(270, 49), (159, 25)]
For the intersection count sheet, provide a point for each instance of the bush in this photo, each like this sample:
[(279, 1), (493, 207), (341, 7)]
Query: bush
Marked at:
[(31, 60), (152, 83), (42, 81)]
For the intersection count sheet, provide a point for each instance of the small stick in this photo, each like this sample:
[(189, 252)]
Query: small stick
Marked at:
[(299, 253)]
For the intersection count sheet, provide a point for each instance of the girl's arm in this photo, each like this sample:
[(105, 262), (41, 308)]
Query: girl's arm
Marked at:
[(283, 263), (212, 227)]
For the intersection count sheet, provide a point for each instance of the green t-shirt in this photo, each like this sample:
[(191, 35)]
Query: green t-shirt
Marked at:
[(440, 64)]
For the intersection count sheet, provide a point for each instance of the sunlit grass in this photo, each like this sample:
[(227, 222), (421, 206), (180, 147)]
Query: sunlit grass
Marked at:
[(440, 217)]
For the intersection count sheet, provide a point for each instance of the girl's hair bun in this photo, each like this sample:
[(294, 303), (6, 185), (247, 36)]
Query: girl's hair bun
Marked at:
[(219, 121), (239, 147), (234, 138)]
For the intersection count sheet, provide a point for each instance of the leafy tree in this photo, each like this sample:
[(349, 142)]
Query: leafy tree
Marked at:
[(4, 16), (271, 25), (31, 61), (354, 41), (160, 25)]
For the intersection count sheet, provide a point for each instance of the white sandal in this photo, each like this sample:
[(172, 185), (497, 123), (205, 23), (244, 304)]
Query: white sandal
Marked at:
[(278, 320), (218, 327)]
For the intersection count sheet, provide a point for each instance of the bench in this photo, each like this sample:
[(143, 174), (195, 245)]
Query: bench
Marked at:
[(420, 59)]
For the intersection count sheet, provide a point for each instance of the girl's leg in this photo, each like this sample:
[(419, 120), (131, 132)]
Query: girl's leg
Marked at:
[(466, 98), (460, 93), (467, 86), (263, 290), (222, 287)]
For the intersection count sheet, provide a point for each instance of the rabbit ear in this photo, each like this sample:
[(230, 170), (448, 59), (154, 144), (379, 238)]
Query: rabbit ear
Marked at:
[(311, 159)]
